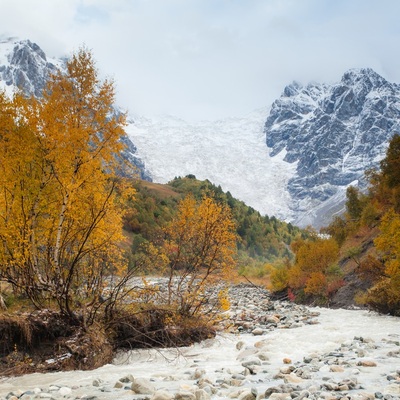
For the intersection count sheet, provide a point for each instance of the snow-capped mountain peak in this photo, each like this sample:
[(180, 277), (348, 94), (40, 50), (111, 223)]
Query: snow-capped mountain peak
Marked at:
[(24, 65), (334, 133), (363, 76)]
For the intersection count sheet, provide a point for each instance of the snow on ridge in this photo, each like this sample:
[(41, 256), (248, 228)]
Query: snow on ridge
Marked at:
[(229, 152), (34, 71)]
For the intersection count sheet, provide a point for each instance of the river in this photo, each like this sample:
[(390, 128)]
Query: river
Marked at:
[(219, 360)]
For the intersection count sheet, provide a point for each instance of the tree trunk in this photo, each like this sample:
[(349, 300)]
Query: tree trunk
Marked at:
[(2, 303)]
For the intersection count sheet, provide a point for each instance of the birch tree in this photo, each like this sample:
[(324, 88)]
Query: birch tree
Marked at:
[(201, 248), (60, 219)]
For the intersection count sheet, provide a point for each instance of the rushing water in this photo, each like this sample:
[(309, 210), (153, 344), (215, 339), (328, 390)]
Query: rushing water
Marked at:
[(335, 327)]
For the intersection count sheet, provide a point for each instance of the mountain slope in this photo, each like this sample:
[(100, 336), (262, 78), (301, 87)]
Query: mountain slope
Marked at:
[(230, 153), (260, 239)]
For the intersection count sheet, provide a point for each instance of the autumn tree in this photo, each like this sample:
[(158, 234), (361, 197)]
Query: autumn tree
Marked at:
[(315, 271), (354, 203), (390, 165), (201, 244), (60, 218), (279, 277), (337, 229), (385, 294)]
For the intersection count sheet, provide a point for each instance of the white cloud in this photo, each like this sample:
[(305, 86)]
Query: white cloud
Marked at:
[(203, 59)]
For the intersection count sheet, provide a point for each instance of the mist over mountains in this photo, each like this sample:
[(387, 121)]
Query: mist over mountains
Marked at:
[(293, 159)]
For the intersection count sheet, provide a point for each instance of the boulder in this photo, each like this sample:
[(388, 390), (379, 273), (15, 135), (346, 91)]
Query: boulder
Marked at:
[(162, 395), (257, 331), (142, 386), (185, 395)]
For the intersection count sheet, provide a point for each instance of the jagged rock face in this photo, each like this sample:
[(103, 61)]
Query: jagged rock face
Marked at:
[(24, 65), (28, 68), (131, 165), (334, 133)]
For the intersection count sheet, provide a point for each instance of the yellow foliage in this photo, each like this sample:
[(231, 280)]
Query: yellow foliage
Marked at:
[(279, 279), (388, 242), (385, 296), (316, 284), (200, 245), (297, 277), (317, 255), (314, 270), (60, 221), (223, 297), (202, 237)]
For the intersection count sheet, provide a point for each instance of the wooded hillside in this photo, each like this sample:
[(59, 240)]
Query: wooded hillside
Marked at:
[(359, 261), (261, 240)]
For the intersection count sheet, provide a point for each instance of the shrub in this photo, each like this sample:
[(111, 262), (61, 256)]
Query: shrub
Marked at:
[(385, 296), (279, 279)]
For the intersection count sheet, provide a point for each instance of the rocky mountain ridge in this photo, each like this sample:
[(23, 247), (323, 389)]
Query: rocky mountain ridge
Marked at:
[(334, 133), (24, 65)]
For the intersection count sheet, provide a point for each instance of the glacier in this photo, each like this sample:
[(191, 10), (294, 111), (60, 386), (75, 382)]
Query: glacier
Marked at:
[(229, 152)]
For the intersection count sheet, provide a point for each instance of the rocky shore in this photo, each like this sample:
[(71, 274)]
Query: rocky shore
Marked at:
[(266, 349)]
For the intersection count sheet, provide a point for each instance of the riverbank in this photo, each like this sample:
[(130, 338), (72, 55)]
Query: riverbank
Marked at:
[(273, 350)]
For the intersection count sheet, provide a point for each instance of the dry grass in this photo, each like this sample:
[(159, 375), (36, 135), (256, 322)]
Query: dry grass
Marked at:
[(362, 242), (254, 280), (158, 328), (162, 191)]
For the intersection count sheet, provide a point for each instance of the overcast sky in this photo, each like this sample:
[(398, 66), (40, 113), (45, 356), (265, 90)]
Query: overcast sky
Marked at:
[(208, 59)]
